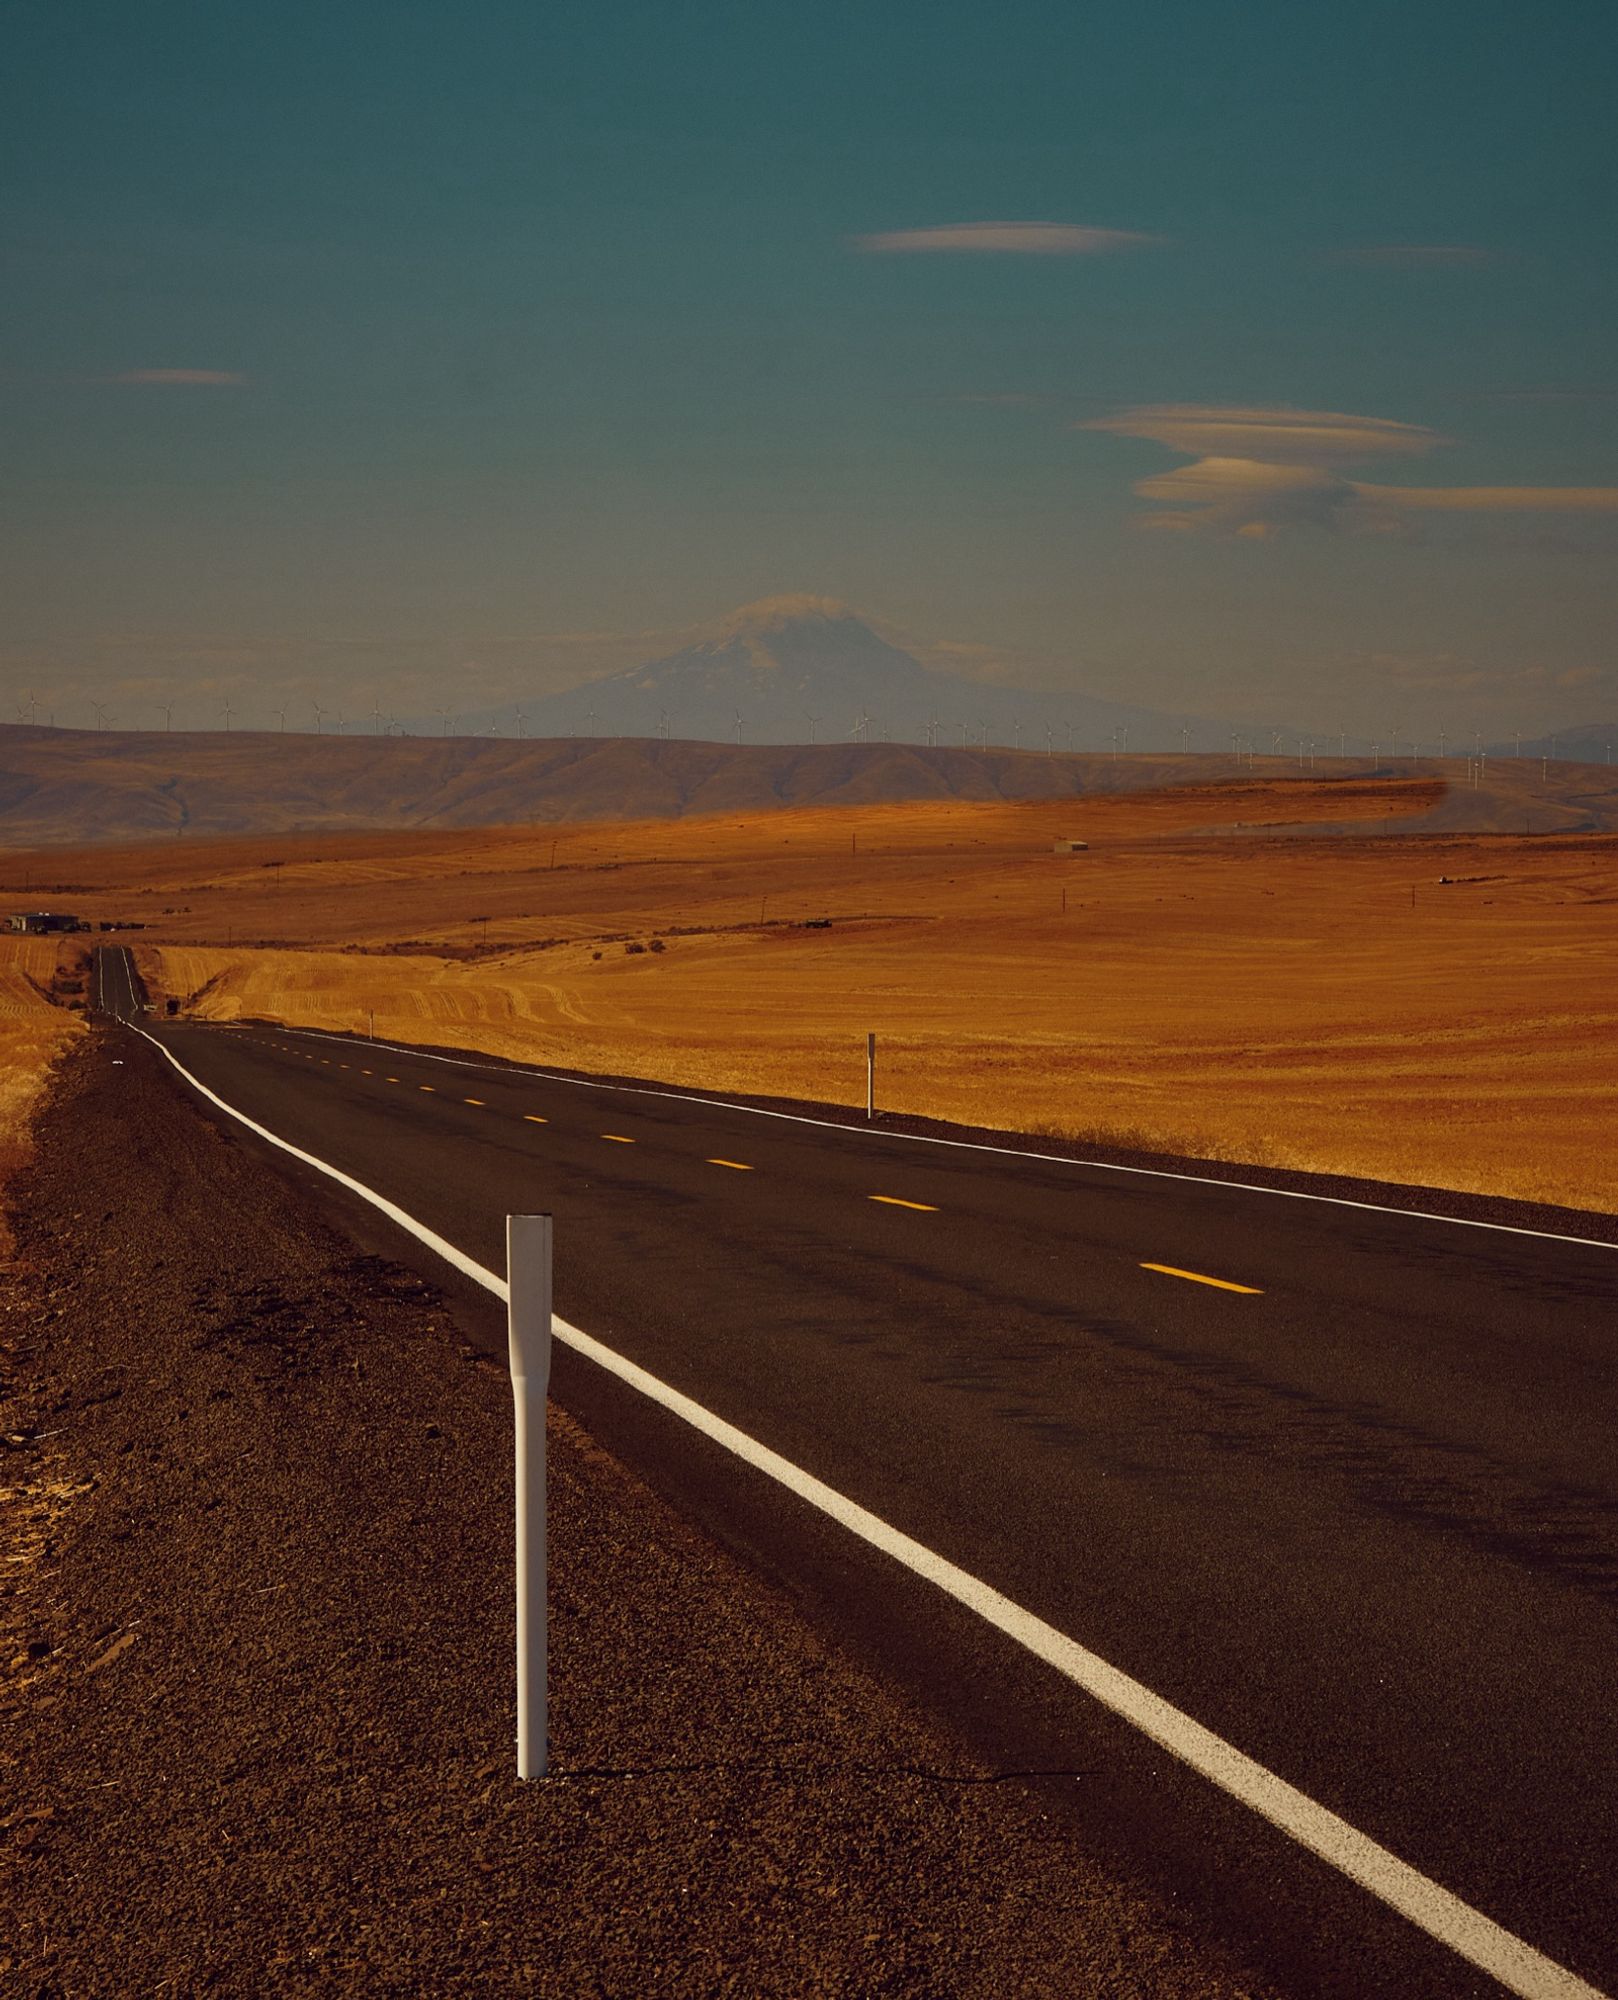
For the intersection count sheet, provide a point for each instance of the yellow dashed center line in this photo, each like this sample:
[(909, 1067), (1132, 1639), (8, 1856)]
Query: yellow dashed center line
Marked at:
[(478, 1101), (736, 1166), (427, 1087), (390, 1079), (533, 1118), (617, 1138), (1201, 1278), (893, 1201)]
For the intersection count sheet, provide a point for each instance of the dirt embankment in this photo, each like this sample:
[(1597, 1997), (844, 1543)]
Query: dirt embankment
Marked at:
[(257, 1702)]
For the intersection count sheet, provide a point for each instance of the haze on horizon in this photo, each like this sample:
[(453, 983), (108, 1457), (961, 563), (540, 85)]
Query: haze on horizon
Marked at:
[(390, 356)]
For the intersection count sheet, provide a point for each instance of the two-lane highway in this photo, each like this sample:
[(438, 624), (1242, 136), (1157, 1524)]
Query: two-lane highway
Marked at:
[(1335, 1481)]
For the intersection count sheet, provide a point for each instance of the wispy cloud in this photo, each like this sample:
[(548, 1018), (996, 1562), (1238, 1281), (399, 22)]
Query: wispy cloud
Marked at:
[(1495, 499), (1273, 436), (1413, 256), (180, 378), (1256, 471), (1019, 239)]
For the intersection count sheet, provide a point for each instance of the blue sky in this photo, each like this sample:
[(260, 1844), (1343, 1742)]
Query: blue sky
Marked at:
[(373, 348)]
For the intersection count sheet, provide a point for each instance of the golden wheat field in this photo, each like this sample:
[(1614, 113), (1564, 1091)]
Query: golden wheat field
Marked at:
[(1212, 984), (1436, 1010)]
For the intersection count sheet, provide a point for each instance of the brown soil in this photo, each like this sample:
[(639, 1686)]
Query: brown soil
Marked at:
[(256, 1626)]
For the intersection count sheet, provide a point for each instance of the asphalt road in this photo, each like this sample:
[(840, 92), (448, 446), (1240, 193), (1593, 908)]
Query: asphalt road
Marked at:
[(1339, 1484)]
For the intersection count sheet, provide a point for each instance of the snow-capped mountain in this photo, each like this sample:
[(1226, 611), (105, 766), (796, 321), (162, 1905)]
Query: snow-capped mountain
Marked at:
[(808, 669)]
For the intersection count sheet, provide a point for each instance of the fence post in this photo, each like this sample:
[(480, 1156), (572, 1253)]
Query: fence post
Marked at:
[(528, 1275)]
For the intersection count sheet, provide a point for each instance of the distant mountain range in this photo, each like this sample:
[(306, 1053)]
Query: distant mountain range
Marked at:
[(1589, 743), (810, 670), (67, 786)]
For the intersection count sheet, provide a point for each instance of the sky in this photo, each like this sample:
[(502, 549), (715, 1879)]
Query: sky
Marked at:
[(1251, 359)]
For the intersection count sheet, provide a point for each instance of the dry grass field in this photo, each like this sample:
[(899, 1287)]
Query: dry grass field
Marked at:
[(1221, 980), (33, 1034)]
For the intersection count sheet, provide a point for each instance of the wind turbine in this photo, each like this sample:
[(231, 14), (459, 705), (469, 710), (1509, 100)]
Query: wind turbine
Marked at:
[(229, 712), (522, 721), (167, 708), (813, 721), (738, 728), (319, 715), (376, 716), (1185, 742), (101, 714), (444, 719)]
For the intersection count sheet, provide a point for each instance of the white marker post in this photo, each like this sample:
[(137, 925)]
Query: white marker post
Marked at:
[(870, 1076), (528, 1274)]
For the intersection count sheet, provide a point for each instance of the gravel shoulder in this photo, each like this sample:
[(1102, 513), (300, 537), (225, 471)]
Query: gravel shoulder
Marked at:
[(255, 1621)]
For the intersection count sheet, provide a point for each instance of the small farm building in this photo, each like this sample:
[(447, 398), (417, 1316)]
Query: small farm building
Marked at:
[(1072, 846)]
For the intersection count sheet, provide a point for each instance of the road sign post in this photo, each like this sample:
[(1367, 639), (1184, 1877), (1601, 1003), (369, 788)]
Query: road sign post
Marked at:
[(528, 1276), (870, 1076)]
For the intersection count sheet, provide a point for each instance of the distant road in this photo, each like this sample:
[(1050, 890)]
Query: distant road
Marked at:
[(1337, 1483)]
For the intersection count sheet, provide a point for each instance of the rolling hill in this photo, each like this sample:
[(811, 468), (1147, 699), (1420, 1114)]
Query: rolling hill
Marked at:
[(70, 787)]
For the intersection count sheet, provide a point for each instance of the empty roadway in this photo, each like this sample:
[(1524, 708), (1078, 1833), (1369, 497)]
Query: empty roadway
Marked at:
[(1336, 1482)]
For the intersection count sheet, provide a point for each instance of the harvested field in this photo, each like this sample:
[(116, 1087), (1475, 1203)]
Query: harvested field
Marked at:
[(1412, 1007)]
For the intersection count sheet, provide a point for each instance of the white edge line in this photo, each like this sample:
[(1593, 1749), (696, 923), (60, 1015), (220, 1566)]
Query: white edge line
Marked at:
[(931, 1139), (1442, 1915)]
